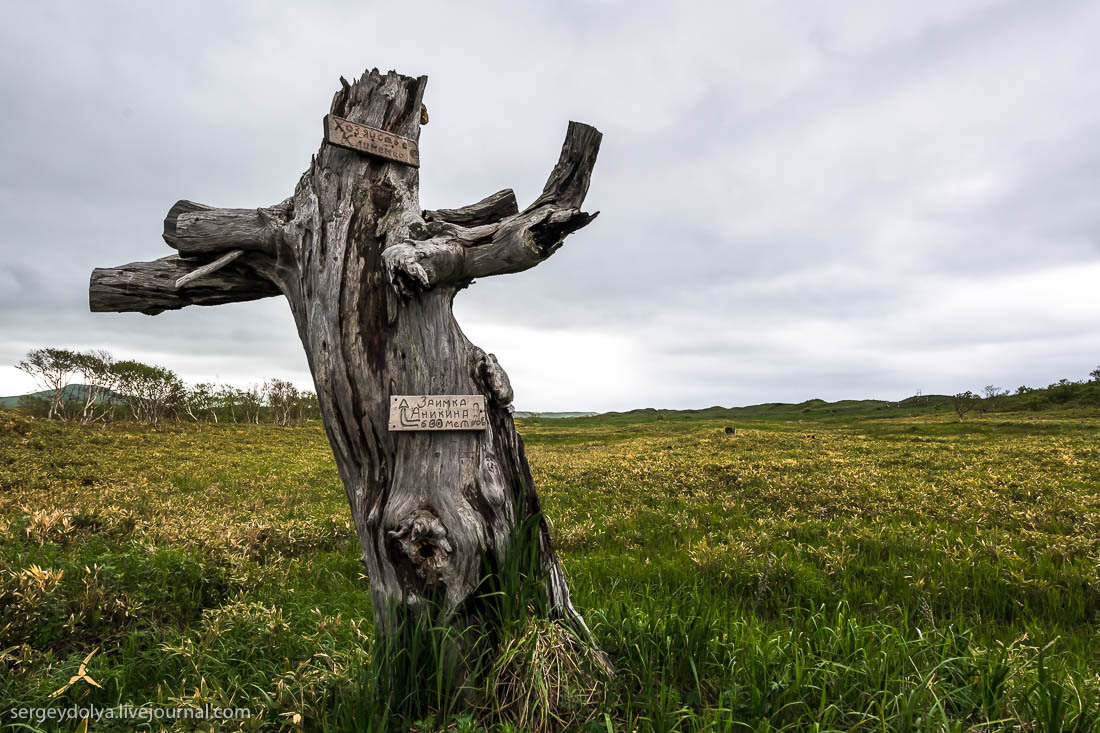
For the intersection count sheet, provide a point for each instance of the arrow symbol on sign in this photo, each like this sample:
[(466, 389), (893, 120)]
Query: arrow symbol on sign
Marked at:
[(405, 422)]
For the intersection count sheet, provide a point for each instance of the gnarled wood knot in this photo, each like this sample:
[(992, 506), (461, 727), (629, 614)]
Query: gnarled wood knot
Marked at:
[(423, 539)]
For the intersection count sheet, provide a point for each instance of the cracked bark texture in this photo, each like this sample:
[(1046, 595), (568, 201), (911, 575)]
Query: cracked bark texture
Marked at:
[(370, 278)]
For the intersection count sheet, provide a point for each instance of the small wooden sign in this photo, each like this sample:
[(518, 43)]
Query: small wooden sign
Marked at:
[(353, 136), (437, 412)]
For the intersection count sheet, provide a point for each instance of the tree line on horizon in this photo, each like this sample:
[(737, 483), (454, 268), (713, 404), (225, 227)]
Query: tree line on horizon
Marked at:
[(993, 397), (109, 389), (93, 387)]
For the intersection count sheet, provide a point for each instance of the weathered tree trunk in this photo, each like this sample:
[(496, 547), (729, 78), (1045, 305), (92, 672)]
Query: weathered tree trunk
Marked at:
[(370, 278)]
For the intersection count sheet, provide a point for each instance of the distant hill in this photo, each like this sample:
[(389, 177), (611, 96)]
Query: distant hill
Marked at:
[(552, 415), (73, 393), (1056, 396), (784, 411)]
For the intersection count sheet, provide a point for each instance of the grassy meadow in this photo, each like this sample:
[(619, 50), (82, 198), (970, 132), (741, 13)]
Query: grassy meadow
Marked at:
[(876, 570)]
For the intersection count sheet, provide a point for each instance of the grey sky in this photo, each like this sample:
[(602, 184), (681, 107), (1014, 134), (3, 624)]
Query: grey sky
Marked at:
[(859, 199)]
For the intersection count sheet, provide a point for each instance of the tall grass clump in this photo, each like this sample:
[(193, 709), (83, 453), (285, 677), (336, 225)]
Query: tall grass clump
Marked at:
[(511, 664)]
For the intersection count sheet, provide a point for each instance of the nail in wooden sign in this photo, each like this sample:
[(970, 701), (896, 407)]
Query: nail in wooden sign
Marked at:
[(353, 136), (437, 412)]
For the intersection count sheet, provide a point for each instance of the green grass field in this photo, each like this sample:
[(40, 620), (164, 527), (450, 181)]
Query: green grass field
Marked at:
[(872, 570)]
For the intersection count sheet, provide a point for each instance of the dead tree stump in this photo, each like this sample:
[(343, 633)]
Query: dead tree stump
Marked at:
[(370, 278)]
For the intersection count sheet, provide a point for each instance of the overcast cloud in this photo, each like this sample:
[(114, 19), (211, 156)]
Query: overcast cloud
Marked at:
[(835, 200)]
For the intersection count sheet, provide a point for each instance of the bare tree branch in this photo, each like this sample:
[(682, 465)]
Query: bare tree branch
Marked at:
[(444, 252), (150, 287), (196, 229), (207, 269), (489, 210)]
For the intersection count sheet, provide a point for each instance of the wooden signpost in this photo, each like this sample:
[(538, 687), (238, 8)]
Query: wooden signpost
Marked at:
[(437, 412), (371, 277), (351, 135)]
